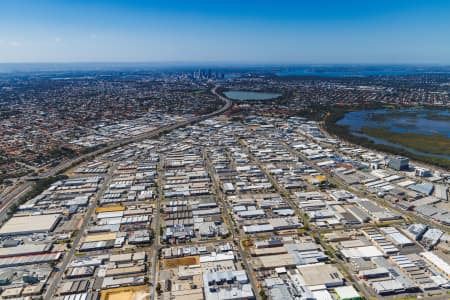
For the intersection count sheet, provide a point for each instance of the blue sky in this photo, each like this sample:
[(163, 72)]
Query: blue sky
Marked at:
[(245, 31)]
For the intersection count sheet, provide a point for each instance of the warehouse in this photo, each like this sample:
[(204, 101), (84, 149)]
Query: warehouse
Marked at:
[(437, 262), (361, 252), (237, 286), (101, 237), (424, 188), (388, 287), (100, 245), (441, 191), (257, 228), (228, 187), (431, 237), (80, 296), (321, 274), (347, 293), (29, 225), (274, 261), (255, 213), (373, 273), (284, 223), (25, 249), (416, 231), (268, 251), (29, 260), (73, 287), (398, 283), (396, 237), (361, 216), (119, 271), (111, 282), (80, 272), (135, 257)]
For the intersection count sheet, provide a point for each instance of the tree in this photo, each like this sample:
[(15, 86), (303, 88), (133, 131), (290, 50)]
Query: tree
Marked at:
[(158, 288), (263, 295)]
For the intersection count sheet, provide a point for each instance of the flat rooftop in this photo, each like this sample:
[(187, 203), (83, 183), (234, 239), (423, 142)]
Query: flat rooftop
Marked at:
[(321, 274), (29, 224)]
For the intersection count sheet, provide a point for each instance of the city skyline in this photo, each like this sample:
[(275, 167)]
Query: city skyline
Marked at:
[(253, 32)]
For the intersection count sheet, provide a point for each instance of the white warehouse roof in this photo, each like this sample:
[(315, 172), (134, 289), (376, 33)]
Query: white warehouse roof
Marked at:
[(29, 224)]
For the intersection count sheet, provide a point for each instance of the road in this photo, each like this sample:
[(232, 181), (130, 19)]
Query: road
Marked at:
[(75, 244), (358, 192), (410, 214), (313, 232), (156, 242), (70, 163), (15, 194), (8, 200), (227, 210), (148, 135)]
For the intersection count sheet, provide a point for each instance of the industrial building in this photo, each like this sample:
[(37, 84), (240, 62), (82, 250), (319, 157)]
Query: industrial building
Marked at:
[(29, 225), (399, 163)]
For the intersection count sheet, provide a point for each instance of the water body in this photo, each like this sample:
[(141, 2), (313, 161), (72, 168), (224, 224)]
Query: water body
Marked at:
[(415, 120), (249, 95), (359, 71), (345, 73)]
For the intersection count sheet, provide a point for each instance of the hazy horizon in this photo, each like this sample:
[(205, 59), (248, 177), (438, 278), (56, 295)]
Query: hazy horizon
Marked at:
[(311, 69)]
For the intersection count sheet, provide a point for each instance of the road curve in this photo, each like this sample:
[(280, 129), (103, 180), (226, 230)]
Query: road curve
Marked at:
[(13, 197)]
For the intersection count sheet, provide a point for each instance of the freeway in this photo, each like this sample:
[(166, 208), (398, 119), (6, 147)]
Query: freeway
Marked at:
[(8, 200), (68, 164), (20, 189), (157, 245), (152, 134)]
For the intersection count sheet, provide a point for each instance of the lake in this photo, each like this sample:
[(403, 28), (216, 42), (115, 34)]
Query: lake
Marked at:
[(249, 95), (408, 120)]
